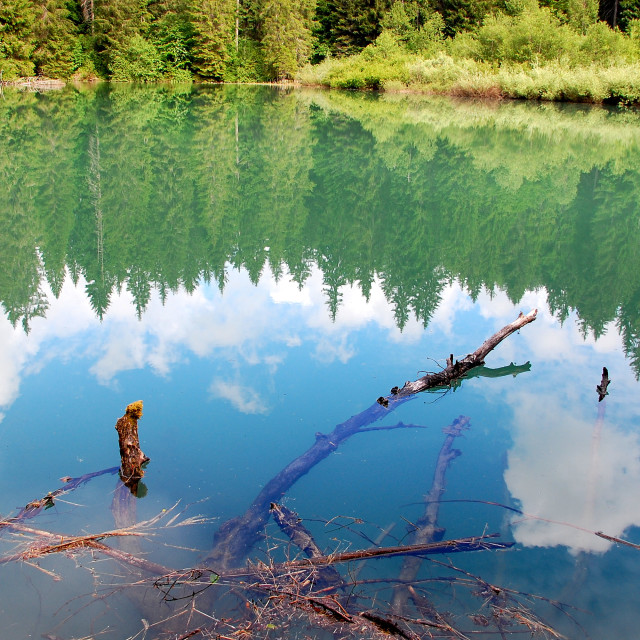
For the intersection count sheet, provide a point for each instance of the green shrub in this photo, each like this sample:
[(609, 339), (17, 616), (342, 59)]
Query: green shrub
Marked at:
[(136, 59), (534, 36), (606, 46), (316, 74), (12, 69)]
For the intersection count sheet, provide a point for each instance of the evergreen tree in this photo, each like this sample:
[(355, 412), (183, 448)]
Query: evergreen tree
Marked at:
[(17, 41), (463, 15), (286, 35), (171, 32), (214, 28), (56, 39), (348, 26), (115, 23)]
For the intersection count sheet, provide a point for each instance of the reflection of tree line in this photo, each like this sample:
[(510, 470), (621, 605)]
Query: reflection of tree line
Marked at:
[(161, 187)]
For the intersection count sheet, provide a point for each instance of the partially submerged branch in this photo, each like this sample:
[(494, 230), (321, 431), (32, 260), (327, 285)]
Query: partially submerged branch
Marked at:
[(291, 525), (459, 368), (34, 507)]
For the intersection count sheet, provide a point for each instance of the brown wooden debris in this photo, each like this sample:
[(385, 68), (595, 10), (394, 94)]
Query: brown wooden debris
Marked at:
[(459, 368), (291, 525), (131, 456)]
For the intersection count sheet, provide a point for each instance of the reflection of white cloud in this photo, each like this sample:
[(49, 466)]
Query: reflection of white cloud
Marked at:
[(569, 469), (546, 339), (355, 312), (243, 398), (287, 291), (249, 320), (328, 350), (572, 474), (68, 316), (453, 300), (12, 360)]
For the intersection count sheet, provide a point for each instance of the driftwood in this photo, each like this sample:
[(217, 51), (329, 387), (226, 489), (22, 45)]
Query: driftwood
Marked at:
[(236, 536), (34, 507), (131, 456), (459, 368), (473, 543), (291, 525)]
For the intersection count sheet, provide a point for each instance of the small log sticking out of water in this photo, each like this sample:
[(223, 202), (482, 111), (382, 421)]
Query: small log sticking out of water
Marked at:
[(604, 383), (131, 456)]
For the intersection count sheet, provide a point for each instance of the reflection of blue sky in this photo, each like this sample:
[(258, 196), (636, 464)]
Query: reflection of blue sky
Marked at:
[(564, 464), (254, 325)]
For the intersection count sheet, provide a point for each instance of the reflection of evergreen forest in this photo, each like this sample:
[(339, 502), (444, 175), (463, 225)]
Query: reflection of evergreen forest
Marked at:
[(159, 187)]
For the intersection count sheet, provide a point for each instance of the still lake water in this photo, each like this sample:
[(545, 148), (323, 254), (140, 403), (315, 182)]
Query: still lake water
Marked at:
[(259, 265)]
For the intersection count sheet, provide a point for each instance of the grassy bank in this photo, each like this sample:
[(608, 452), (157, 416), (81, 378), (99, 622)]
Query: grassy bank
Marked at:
[(531, 55), (446, 75)]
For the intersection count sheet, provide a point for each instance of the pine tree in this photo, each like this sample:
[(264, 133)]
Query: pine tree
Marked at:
[(214, 26), (286, 35), (17, 41), (115, 23), (56, 38), (347, 26)]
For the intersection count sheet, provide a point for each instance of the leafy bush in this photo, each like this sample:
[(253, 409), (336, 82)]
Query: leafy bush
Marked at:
[(536, 35), (136, 59), (606, 46), (12, 69)]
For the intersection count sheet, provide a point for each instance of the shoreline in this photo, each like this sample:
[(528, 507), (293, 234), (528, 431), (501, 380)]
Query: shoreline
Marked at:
[(487, 91)]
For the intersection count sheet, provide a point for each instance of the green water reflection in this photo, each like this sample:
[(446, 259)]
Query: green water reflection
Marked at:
[(159, 187)]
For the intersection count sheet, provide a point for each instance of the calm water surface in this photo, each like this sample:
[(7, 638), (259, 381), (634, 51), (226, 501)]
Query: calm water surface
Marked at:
[(258, 266)]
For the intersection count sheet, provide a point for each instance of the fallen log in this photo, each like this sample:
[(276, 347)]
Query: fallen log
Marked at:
[(238, 535)]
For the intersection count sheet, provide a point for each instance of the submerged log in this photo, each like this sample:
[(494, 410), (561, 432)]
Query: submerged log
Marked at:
[(131, 456), (427, 529), (291, 525), (236, 536)]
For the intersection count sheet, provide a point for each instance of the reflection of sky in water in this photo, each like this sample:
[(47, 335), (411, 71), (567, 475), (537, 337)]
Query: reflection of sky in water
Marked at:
[(236, 385), (573, 466)]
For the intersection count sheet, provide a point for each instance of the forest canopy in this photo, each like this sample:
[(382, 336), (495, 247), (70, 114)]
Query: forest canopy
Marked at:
[(255, 40)]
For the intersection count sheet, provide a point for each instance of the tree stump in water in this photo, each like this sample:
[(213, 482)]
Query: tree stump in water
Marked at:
[(131, 456)]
